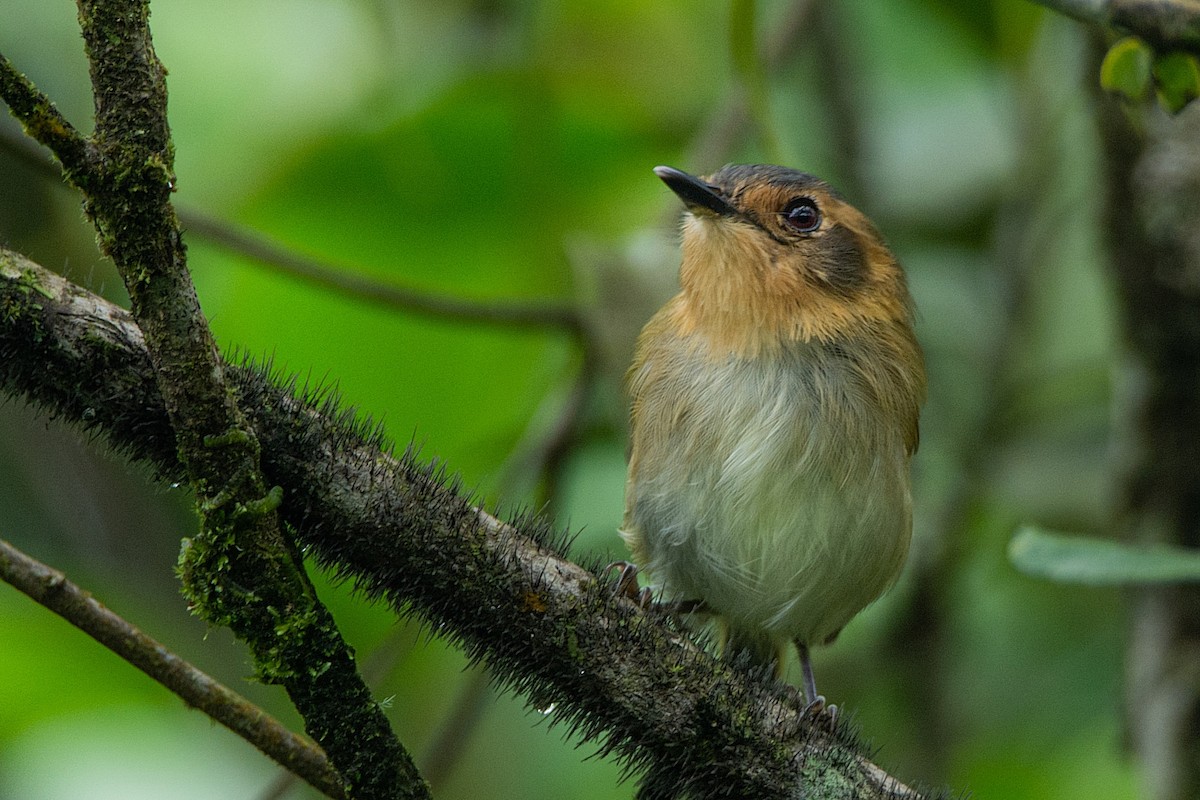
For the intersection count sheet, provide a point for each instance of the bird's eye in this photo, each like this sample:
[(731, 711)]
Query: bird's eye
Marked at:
[(802, 215)]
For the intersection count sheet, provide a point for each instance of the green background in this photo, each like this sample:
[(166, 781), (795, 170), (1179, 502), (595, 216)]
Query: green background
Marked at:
[(502, 150)]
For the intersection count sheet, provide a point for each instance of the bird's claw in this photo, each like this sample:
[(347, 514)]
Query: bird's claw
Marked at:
[(627, 584), (819, 709)]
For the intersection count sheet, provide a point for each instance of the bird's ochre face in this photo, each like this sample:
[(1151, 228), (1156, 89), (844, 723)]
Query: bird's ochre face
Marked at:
[(772, 254)]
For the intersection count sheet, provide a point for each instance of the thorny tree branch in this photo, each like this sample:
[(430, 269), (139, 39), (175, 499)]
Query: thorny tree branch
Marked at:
[(540, 622), (51, 589)]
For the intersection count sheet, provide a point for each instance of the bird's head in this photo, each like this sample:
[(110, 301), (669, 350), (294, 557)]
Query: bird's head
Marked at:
[(771, 254)]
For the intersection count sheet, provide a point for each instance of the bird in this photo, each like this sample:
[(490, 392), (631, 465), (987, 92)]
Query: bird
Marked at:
[(774, 406)]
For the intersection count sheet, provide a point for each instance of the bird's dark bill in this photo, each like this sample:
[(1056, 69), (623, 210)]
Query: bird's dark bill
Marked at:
[(695, 193)]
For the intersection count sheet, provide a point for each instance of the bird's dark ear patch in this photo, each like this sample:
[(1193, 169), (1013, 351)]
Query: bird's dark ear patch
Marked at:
[(843, 263)]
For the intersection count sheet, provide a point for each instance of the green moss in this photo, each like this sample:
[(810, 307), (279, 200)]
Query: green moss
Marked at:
[(45, 124), (29, 279), (822, 781), (230, 437), (266, 504)]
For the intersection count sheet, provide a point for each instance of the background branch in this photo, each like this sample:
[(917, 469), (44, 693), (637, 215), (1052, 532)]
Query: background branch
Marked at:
[(51, 589), (1153, 182), (1167, 24), (319, 273)]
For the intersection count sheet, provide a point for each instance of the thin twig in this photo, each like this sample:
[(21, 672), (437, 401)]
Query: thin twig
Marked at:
[(285, 261), (543, 450), (543, 445), (723, 129), (841, 97), (454, 734), (50, 588), (750, 70)]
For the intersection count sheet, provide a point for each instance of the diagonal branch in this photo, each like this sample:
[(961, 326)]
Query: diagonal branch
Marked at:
[(542, 623), (50, 588), (44, 123)]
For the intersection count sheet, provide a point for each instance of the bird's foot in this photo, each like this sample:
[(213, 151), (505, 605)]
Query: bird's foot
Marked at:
[(627, 584), (818, 709), (627, 587)]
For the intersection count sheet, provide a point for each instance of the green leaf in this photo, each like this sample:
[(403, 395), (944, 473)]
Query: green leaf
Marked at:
[(1177, 76), (1099, 562), (1126, 68)]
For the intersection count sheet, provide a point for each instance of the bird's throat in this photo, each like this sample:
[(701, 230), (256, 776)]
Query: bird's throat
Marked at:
[(739, 300)]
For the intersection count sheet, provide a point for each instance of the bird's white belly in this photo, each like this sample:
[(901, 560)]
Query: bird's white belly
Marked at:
[(775, 500)]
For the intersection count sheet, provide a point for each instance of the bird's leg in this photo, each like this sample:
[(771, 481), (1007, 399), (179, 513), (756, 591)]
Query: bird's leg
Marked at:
[(810, 683), (627, 584), (816, 703)]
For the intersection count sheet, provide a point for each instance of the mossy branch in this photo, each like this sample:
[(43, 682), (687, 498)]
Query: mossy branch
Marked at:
[(505, 591), (240, 570), (44, 123)]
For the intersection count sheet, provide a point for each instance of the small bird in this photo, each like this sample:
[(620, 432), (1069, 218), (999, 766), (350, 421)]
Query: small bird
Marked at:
[(774, 407)]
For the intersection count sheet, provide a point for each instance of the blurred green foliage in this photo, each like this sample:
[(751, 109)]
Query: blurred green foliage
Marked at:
[(498, 149), (1177, 77), (1100, 562), (1131, 66), (1127, 68)]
